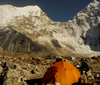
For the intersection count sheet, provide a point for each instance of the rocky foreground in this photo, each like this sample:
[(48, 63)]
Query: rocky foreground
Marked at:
[(26, 69)]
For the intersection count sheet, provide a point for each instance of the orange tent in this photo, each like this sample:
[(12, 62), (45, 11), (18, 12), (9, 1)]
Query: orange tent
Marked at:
[(62, 73)]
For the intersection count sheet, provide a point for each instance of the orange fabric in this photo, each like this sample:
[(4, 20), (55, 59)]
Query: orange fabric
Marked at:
[(63, 73)]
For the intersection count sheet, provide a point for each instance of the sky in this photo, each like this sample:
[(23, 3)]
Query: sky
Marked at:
[(56, 10)]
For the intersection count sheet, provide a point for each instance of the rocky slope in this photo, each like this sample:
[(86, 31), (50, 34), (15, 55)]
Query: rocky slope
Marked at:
[(29, 30), (26, 69)]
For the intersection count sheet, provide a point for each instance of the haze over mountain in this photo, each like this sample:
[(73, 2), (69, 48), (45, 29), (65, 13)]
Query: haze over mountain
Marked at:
[(29, 30)]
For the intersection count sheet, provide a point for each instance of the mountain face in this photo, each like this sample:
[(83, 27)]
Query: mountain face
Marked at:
[(29, 30)]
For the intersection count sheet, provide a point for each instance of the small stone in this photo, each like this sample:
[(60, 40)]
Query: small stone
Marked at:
[(11, 65), (92, 77), (77, 66), (97, 75), (1, 69), (36, 70)]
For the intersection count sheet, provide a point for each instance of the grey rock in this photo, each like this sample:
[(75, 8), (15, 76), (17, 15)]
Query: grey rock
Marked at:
[(10, 65), (36, 70)]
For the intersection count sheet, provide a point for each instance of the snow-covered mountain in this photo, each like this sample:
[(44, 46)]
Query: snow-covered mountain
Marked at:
[(28, 29)]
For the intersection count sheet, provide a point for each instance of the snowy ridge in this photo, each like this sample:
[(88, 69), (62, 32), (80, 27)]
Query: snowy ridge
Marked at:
[(9, 12)]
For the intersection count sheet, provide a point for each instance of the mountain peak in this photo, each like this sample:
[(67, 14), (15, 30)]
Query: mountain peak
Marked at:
[(35, 7), (94, 3), (9, 12)]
